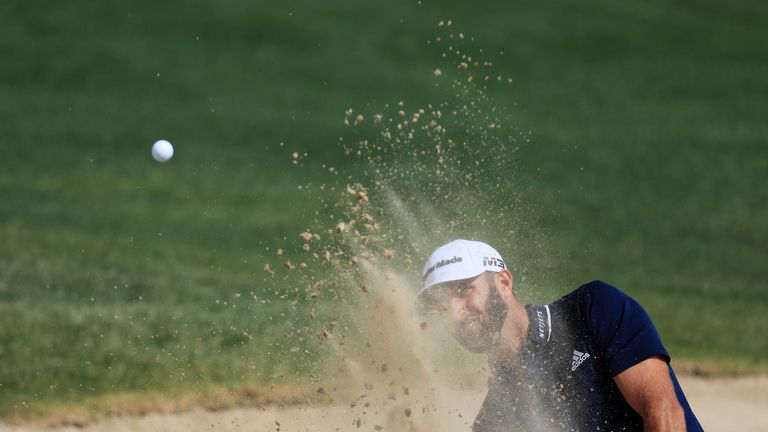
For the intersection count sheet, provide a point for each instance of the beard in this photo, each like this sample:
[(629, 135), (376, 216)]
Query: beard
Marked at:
[(481, 332)]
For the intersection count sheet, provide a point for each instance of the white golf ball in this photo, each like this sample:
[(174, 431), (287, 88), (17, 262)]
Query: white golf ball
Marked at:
[(162, 150)]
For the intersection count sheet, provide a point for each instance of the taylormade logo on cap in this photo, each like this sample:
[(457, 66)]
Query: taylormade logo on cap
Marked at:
[(439, 264), (460, 259)]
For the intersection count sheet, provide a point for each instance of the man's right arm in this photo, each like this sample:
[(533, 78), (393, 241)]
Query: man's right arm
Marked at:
[(648, 389)]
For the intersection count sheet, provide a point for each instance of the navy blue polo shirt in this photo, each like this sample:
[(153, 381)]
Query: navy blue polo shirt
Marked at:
[(564, 382)]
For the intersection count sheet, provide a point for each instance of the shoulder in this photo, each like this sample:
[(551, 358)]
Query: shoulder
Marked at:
[(594, 296), (620, 327), (598, 295), (604, 309), (599, 290)]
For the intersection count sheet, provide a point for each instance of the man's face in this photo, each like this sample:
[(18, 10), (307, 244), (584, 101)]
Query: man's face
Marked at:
[(473, 311)]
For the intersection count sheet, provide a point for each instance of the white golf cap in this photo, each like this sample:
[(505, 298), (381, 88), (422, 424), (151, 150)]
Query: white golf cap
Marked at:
[(460, 259)]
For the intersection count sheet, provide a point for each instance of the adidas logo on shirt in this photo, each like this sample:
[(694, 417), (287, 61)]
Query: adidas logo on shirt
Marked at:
[(578, 358)]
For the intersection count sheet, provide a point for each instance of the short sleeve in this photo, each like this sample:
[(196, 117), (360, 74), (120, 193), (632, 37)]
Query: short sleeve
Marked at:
[(621, 329)]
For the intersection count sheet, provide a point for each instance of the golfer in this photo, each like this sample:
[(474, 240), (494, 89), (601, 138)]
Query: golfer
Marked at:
[(590, 361)]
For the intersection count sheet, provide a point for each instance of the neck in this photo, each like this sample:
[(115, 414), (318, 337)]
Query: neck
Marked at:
[(512, 335)]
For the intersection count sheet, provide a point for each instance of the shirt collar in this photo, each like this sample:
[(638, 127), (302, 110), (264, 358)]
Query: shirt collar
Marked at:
[(539, 323), (539, 333)]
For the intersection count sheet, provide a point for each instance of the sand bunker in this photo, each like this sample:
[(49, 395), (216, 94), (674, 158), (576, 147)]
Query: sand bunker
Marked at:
[(724, 404)]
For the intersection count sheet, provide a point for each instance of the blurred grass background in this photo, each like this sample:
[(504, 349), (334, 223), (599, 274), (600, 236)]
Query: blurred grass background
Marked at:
[(647, 162)]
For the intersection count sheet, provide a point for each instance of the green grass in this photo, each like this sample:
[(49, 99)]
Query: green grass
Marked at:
[(646, 166)]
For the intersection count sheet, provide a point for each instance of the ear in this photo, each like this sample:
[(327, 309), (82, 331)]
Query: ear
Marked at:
[(505, 285)]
